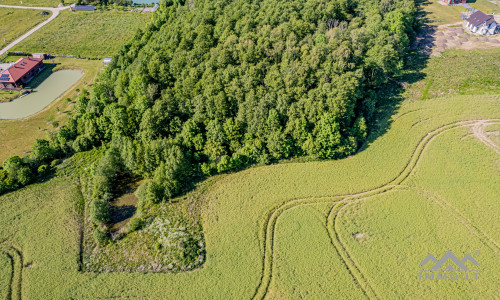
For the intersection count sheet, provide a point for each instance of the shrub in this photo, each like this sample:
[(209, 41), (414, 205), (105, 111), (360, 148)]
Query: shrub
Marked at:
[(43, 170), (99, 211), (100, 237), (134, 224)]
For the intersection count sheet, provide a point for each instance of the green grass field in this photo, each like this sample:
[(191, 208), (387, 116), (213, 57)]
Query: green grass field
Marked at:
[(400, 226), (39, 3), (5, 276), (24, 20), (86, 34)]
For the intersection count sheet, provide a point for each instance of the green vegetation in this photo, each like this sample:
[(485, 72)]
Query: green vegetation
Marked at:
[(5, 276), (234, 250), (24, 20), (190, 99), (6, 96), (424, 180), (39, 3), (17, 136), (459, 72), (85, 34)]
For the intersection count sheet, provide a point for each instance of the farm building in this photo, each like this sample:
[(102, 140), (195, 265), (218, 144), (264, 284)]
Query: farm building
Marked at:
[(82, 8), (482, 23), (23, 70), (452, 2), (39, 55)]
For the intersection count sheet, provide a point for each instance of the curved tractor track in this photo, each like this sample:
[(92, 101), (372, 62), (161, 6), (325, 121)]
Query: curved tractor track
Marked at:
[(340, 202), (16, 259)]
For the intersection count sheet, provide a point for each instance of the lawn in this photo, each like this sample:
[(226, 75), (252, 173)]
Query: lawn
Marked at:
[(437, 14), (39, 3), (85, 34), (17, 136), (24, 20), (457, 72), (6, 96), (5, 275)]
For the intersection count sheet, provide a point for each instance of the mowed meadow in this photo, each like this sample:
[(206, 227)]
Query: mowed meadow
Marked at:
[(95, 34), (443, 202)]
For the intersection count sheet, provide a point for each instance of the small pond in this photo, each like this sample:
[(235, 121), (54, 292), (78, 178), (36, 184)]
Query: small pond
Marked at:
[(51, 88)]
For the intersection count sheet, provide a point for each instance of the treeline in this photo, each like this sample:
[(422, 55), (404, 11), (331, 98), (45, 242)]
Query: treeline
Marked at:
[(17, 172), (214, 86)]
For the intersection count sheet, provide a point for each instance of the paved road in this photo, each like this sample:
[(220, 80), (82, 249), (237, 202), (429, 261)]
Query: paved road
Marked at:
[(55, 12)]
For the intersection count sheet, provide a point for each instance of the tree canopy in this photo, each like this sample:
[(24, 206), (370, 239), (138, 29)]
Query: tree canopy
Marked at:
[(213, 86)]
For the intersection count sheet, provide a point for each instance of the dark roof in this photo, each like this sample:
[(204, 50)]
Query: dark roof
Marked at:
[(479, 18), (19, 69), (85, 7)]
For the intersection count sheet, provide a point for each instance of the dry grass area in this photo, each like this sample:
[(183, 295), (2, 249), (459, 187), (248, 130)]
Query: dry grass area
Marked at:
[(17, 136)]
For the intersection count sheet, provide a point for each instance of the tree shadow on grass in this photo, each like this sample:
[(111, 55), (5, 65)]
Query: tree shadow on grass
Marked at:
[(390, 96)]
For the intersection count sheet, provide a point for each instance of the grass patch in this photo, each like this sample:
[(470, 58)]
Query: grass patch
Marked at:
[(85, 34), (16, 22), (459, 72), (6, 96), (17, 136), (5, 276), (43, 3), (437, 14)]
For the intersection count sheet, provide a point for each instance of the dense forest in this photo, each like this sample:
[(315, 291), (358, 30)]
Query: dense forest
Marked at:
[(214, 86)]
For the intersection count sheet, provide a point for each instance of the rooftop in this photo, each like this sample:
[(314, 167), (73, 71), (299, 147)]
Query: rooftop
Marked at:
[(19, 69), (479, 18)]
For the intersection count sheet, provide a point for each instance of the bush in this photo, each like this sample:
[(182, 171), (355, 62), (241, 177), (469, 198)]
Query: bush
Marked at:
[(43, 170), (134, 224), (55, 162), (100, 237), (99, 211)]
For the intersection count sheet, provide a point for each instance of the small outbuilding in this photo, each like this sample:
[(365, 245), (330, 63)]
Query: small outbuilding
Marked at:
[(39, 55)]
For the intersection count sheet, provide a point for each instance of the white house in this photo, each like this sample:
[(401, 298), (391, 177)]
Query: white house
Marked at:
[(482, 23)]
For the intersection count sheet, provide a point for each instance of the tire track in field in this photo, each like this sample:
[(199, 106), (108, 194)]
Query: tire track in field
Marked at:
[(16, 259), (340, 202)]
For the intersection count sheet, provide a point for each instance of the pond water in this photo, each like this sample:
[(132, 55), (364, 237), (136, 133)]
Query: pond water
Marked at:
[(51, 88)]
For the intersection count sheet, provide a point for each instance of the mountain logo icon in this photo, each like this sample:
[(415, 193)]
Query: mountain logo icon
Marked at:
[(449, 256)]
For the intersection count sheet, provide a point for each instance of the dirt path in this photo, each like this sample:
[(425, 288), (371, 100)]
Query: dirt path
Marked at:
[(55, 13), (478, 131)]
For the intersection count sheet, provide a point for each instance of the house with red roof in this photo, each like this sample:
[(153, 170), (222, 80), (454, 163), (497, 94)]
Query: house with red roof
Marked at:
[(23, 70)]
